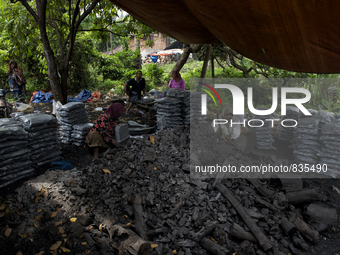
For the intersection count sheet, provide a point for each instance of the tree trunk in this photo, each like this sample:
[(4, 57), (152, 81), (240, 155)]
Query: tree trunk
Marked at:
[(192, 48), (48, 52), (206, 60), (137, 47), (64, 76), (111, 44), (212, 67)]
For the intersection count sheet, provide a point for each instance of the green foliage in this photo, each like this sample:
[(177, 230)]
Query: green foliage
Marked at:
[(118, 89), (81, 69), (153, 76), (119, 65)]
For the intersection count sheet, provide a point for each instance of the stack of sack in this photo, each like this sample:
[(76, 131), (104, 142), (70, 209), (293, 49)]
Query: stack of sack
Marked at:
[(69, 115), (15, 163), (196, 108), (168, 112), (287, 133), (42, 132), (306, 141), (326, 117), (311, 111), (79, 133), (330, 149), (262, 129), (184, 96)]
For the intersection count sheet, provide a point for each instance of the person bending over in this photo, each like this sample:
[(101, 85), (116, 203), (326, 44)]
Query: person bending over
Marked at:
[(102, 135)]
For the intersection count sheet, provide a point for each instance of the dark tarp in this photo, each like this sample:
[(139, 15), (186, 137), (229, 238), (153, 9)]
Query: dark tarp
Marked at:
[(297, 35), (174, 45)]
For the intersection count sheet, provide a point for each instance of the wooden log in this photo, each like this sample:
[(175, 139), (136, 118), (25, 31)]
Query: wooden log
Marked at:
[(127, 242), (237, 231), (213, 248), (282, 199), (138, 213), (210, 225), (264, 191), (321, 217), (263, 240), (290, 184), (303, 228), (287, 226), (303, 196), (158, 231), (277, 206), (266, 204)]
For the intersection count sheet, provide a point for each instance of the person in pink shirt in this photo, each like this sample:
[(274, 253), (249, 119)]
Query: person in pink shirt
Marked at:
[(176, 82)]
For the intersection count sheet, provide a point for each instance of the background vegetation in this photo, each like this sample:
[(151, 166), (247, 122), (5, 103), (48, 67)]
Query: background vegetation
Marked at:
[(90, 69)]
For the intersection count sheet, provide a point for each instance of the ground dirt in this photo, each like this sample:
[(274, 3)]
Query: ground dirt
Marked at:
[(80, 158)]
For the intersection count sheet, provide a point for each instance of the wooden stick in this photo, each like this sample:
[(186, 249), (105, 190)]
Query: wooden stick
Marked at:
[(263, 240), (138, 212), (213, 248), (287, 226), (204, 231), (303, 228), (264, 191), (237, 231), (302, 196)]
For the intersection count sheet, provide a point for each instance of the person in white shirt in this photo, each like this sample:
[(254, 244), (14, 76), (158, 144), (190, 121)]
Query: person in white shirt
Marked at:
[(232, 132), (229, 131)]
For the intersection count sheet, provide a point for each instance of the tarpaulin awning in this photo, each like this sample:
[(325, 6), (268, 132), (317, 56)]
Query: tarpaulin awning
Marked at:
[(298, 35)]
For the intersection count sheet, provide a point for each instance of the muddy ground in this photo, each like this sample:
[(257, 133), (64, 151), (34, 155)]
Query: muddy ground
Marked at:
[(40, 241)]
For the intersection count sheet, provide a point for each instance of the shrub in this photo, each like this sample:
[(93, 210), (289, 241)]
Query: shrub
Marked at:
[(153, 76)]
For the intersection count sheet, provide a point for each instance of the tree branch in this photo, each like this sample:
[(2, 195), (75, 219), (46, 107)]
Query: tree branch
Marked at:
[(60, 40), (31, 11), (245, 71), (85, 13), (219, 63), (100, 29)]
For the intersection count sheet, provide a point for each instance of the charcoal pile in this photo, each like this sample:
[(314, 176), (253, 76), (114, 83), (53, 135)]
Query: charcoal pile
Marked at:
[(42, 134), (306, 141), (15, 162), (330, 151), (287, 133), (69, 115), (141, 198)]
